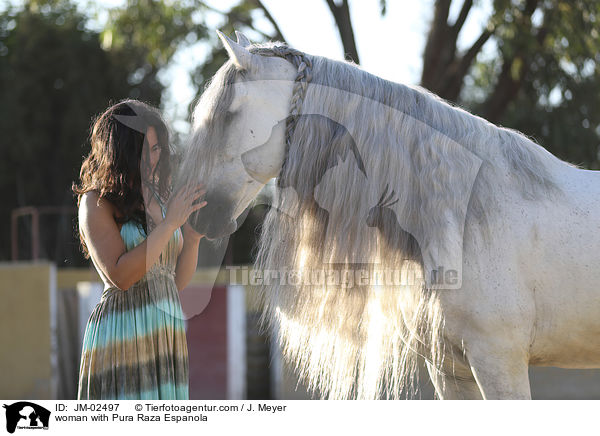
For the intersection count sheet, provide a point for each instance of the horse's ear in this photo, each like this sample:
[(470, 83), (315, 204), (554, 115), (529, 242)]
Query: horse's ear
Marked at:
[(241, 57), (242, 40)]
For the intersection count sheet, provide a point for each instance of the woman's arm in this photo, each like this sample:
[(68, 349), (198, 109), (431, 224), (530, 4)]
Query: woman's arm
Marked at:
[(103, 239), (188, 259)]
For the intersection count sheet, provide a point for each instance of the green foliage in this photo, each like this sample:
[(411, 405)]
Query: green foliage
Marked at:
[(554, 57), (569, 129), (55, 76), (382, 7), (144, 35)]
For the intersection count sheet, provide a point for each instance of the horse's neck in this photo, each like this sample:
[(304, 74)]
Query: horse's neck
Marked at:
[(406, 120)]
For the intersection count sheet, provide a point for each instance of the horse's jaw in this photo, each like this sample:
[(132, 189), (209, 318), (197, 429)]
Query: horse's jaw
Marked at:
[(215, 220), (226, 230)]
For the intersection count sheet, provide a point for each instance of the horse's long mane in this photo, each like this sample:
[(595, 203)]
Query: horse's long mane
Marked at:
[(364, 340)]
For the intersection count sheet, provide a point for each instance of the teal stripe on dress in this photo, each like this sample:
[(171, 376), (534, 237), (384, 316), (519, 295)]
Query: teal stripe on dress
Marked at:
[(165, 390), (127, 327), (138, 318)]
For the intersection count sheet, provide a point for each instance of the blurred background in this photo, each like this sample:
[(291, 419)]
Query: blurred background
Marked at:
[(531, 65)]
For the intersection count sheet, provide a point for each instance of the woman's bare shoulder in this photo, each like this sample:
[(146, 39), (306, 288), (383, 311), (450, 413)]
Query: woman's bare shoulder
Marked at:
[(92, 202), (93, 207)]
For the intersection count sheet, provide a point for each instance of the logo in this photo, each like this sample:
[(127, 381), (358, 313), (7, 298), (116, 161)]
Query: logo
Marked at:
[(26, 415)]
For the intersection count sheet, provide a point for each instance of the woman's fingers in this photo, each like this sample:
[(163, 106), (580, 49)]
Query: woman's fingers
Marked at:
[(195, 196), (199, 194), (198, 206), (198, 191), (195, 191), (184, 202), (194, 207)]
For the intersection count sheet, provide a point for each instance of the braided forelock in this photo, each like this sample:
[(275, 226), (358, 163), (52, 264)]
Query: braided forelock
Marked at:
[(303, 76)]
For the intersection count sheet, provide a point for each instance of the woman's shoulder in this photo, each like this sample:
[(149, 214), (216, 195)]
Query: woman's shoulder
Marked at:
[(92, 202)]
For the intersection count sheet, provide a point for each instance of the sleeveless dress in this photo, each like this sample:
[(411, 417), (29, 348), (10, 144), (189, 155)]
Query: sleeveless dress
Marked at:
[(134, 345)]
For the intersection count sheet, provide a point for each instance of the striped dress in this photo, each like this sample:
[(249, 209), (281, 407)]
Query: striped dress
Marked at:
[(134, 345)]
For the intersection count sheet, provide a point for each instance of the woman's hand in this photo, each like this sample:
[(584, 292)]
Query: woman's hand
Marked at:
[(181, 206)]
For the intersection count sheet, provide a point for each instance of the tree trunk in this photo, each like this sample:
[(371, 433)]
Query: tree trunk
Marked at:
[(341, 14), (444, 68)]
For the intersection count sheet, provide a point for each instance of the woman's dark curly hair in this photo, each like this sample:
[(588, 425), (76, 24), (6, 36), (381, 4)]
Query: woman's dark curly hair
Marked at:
[(115, 164)]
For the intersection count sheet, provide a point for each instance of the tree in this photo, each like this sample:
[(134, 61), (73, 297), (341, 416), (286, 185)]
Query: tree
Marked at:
[(55, 76), (143, 35), (546, 79)]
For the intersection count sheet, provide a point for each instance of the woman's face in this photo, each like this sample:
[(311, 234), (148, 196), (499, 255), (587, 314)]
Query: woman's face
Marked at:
[(153, 150)]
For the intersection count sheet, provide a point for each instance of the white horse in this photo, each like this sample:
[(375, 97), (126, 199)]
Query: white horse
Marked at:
[(499, 239)]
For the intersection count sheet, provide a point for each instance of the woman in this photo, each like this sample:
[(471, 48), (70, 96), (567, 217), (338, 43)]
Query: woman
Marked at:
[(134, 345)]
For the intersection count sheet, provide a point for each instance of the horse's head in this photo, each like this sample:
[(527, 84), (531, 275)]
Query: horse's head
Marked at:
[(238, 142)]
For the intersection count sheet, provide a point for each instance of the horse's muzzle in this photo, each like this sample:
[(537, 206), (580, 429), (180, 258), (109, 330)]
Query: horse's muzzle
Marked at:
[(214, 220)]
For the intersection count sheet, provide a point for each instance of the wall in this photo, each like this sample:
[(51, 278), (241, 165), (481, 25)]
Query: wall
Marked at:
[(28, 358)]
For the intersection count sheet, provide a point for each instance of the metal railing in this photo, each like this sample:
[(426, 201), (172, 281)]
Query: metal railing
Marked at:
[(35, 213)]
